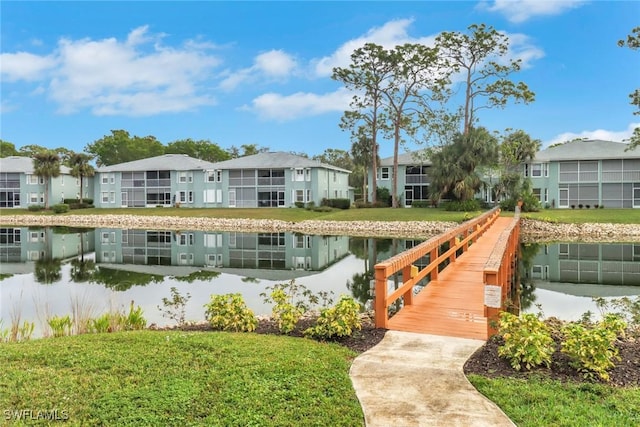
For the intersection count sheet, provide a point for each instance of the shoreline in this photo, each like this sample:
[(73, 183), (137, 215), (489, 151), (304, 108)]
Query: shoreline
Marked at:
[(531, 231)]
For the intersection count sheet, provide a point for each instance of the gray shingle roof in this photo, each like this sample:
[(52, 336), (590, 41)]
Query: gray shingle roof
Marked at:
[(13, 164), (407, 158), (592, 149), (175, 162), (274, 160)]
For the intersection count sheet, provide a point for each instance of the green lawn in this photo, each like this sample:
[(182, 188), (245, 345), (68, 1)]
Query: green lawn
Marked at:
[(616, 216), (538, 402), (580, 216), (151, 378)]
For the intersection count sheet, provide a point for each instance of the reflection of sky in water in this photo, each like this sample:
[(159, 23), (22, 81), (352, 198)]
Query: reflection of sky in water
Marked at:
[(36, 300)]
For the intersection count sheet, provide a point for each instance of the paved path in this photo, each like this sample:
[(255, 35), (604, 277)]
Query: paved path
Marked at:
[(412, 379)]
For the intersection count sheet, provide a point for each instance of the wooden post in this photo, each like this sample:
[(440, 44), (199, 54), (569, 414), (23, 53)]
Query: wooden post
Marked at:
[(380, 301), (406, 276), (491, 312)]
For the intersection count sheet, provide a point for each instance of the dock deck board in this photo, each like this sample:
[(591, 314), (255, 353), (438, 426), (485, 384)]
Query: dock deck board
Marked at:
[(453, 304)]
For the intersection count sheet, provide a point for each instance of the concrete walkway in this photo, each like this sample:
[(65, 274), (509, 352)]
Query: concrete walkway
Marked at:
[(411, 379)]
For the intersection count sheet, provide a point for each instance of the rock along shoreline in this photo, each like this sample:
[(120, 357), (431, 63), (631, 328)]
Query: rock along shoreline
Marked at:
[(532, 230)]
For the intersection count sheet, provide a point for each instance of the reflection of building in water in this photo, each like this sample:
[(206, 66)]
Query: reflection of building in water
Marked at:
[(268, 251), (588, 263), (22, 245)]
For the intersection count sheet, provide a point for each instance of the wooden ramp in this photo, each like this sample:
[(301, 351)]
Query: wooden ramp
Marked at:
[(453, 304)]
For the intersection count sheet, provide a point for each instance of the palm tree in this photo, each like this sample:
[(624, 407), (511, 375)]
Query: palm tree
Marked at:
[(46, 165), (81, 168)]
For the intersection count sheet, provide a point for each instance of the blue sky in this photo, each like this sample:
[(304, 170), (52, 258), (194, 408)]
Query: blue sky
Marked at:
[(259, 72)]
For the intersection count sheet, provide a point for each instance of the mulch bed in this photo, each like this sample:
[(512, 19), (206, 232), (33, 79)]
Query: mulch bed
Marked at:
[(626, 373)]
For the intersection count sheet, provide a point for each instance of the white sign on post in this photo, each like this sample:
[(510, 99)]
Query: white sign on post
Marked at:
[(492, 296)]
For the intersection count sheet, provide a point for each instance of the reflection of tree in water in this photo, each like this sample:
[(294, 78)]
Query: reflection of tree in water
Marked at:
[(47, 270), (250, 280), (82, 270), (359, 286), (121, 280), (204, 275), (527, 286), (4, 276)]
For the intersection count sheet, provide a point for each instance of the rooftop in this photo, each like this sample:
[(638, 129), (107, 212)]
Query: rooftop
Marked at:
[(176, 162), (21, 164), (588, 149)]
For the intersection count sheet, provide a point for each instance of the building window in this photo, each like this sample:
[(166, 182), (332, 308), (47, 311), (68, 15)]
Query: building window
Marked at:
[(184, 177), (384, 173), (335, 176), (536, 170), (300, 196), (190, 196), (299, 175), (307, 173), (308, 196), (104, 196)]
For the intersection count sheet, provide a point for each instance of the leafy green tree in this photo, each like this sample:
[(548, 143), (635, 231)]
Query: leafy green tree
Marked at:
[(633, 42), (516, 148), (362, 154), (455, 166), (246, 150), (31, 150), (335, 157), (473, 55), (201, 149), (7, 149), (46, 165), (419, 78), (81, 168), (365, 77), (120, 147)]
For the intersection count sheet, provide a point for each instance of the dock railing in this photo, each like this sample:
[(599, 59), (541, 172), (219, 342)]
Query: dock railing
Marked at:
[(458, 238), (500, 272)]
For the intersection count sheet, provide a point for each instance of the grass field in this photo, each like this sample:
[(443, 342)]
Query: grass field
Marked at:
[(539, 402), (151, 378)]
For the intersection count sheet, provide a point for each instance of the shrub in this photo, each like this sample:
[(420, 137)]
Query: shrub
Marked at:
[(229, 312), (60, 325), (291, 300), (35, 208), (322, 209), (60, 208), (587, 206), (462, 206), (310, 205), (592, 350), (336, 203), (420, 204), (77, 201), (580, 205), (134, 320), (284, 312), (342, 320), (175, 307), (101, 324), (573, 206), (383, 197), (299, 205), (527, 340)]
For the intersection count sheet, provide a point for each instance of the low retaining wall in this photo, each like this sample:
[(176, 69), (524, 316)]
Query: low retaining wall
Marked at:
[(532, 230)]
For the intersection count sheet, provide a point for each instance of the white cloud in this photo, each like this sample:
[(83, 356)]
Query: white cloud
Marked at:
[(138, 76), (284, 108), (605, 135), (273, 65), (390, 35), (521, 47), (25, 66), (518, 11)]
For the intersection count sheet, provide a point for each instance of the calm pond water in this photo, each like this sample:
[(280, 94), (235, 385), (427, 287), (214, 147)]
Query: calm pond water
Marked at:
[(46, 271)]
